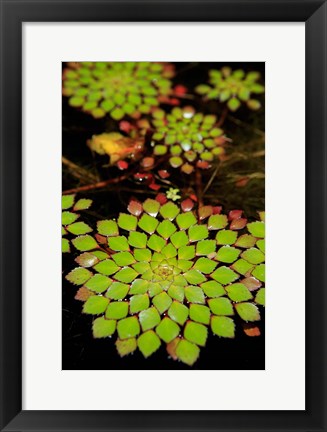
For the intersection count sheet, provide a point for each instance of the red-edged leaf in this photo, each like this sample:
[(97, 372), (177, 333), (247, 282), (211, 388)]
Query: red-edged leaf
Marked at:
[(187, 205), (135, 207), (238, 224)]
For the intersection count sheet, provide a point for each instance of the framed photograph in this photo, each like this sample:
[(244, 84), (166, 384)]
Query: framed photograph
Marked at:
[(182, 145)]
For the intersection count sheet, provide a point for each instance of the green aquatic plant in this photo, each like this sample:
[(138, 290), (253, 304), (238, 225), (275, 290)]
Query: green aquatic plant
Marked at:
[(190, 139), (168, 273), (233, 87), (69, 219), (117, 88)]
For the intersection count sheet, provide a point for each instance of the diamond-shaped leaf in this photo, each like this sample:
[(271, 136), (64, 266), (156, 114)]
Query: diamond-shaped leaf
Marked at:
[(248, 311), (139, 286), (128, 327), (261, 245), (82, 204), (224, 275), (205, 247), (87, 259), (162, 302), (169, 210), (156, 243), (253, 256), (167, 330), (107, 228), (95, 305), (259, 272), (78, 228), (79, 276), (169, 251), (84, 243), (106, 267), (148, 343), (205, 265), (103, 327), (238, 292), (242, 266), (226, 237), (117, 291), (227, 254), (151, 206), (223, 326), (257, 229), (148, 223), (186, 220), (123, 258), (166, 229), (176, 292), (213, 289), (149, 318), (137, 239), (179, 239), (98, 283), (200, 313), (127, 222), (221, 306), (68, 217), (186, 252), (65, 246), (126, 274), (138, 303), (187, 352), (196, 333), (142, 255), (217, 221), (194, 294), (245, 241), (67, 201), (198, 232), (126, 346), (260, 297), (194, 277), (178, 312), (117, 310), (118, 243)]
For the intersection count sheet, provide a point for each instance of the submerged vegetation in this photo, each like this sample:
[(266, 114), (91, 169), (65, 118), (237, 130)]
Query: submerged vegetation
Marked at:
[(182, 257)]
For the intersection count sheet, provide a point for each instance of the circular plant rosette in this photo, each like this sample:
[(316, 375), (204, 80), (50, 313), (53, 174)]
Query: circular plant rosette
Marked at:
[(233, 87), (117, 88), (164, 273), (190, 139)]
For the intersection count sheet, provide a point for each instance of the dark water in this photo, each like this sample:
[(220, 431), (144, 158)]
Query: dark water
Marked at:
[(80, 350)]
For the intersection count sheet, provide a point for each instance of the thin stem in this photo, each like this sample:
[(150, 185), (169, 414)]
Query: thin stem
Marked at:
[(223, 117), (78, 172), (211, 179), (97, 185)]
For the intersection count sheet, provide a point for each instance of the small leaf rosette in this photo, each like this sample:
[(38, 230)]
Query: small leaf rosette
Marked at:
[(190, 139), (117, 88), (233, 87), (164, 274), (69, 219)]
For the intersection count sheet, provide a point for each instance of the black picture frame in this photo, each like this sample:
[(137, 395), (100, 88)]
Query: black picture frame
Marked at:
[(13, 14)]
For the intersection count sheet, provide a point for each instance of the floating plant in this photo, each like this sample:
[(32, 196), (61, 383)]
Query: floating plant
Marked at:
[(164, 273), (233, 87), (69, 219), (190, 139), (117, 88)]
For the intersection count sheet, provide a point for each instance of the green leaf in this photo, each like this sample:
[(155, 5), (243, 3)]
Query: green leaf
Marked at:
[(128, 327), (142, 255), (148, 343), (65, 246), (117, 310), (248, 311), (260, 297), (227, 254), (169, 210), (176, 292), (151, 206), (95, 305), (98, 283), (198, 232), (200, 313), (253, 256), (184, 265), (86, 259), (78, 228), (107, 228), (186, 220), (103, 328), (162, 302), (196, 333), (127, 222), (217, 222), (137, 239), (154, 288), (213, 289), (194, 294), (223, 326), (221, 306), (259, 272), (84, 243), (156, 243), (118, 243), (149, 318), (205, 265), (238, 292), (257, 229), (79, 276), (187, 252), (233, 104), (126, 346), (166, 229), (139, 286), (138, 303), (226, 237), (148, 223), (167, 330), (245, 241), (242, 266), (123, 258), (178, 312), (205, 247), (141, 267), (106, 267), (176, 161), (179, 239), (224, 275), (127, 274), (117, 114), (261, 245), (100, 254), (169, 251), (187, 352), (68, 217), (117, 291), (82, 204), (67, 201), (194, 277)]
